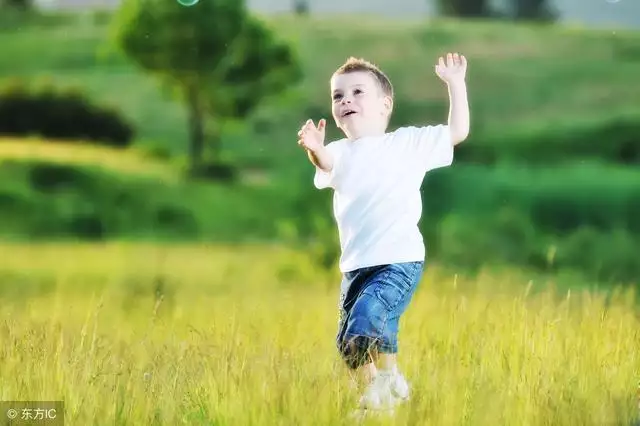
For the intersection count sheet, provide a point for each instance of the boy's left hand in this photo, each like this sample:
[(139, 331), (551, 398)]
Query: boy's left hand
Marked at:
[(453, 70)]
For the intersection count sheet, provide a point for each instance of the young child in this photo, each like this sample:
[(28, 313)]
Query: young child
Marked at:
[(376, 177)]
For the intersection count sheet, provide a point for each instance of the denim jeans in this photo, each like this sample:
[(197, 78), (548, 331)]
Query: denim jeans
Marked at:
[(372, 300)]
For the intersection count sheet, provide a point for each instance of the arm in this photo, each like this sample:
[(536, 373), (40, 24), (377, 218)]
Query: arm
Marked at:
[(311, 138), (321, 158), (458, 111), (453, 72)]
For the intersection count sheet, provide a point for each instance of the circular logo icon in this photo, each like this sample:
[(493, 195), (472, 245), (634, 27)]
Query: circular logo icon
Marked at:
[(11, 413)]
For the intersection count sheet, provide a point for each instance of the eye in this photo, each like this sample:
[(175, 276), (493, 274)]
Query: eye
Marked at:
[(337, 96), (357, 92)]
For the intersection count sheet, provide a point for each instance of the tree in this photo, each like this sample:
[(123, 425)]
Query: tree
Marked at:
[(301, 7), (17, 5), (538, 10), (222, 60), (464, 8)]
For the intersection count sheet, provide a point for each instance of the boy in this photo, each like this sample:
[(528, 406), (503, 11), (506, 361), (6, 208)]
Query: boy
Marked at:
[(376, 177)]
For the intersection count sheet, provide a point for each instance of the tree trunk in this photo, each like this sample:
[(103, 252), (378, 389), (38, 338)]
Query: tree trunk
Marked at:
[(196, 129)]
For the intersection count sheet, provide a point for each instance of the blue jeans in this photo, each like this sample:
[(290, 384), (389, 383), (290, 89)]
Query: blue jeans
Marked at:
[(372, 300)]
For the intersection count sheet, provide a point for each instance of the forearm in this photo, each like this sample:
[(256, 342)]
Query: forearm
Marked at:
[(321, 158), (458, 112)]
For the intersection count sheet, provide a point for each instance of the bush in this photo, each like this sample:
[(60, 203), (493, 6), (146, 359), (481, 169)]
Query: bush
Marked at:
[(301, 7), (45, 200), (215, 171), (22, 5), (589, 215), (60, 114), (613, 139), (51, 177), (611, 256), (557, 200), (464, 8), (509, 238), (537, 10)]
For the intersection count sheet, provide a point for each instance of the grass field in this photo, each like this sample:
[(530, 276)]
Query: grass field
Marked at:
[(148, 334), (127, 162)]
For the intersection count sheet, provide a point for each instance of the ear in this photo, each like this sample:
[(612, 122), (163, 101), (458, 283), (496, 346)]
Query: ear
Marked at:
[(388, 104)]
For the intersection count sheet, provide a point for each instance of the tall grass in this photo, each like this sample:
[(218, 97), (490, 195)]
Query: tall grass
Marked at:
[(148, 334)]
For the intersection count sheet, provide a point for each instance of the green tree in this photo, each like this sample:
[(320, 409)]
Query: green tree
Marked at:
[(301, 7), (222, 60), (23, 5), (464, 8), (537, 10)]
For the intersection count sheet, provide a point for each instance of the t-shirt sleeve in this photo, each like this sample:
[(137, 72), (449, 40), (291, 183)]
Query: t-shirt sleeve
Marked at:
[(431, 146), (324, 179)]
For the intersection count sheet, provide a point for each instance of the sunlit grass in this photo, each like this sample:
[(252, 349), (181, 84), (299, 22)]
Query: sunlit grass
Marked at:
[(119, 160), (144, 334)]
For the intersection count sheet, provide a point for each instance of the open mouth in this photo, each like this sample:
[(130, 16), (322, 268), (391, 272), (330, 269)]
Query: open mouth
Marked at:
[(348, 113)]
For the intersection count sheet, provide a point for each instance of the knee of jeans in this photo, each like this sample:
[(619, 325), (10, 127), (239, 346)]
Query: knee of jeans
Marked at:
[(357, 351), (389, 338), (368, 317), (364, 331)]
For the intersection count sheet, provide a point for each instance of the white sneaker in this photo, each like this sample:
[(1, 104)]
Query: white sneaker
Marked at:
[(385, 392), (400, 387), (377, 396)]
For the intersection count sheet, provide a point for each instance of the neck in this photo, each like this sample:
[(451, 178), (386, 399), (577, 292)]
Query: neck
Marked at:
[(363, 133)]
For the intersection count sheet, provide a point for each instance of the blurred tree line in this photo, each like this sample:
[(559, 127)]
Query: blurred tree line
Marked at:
[(20, 5), (539, 10)]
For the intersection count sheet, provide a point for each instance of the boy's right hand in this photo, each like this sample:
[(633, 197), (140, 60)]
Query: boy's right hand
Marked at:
[(311, 137)]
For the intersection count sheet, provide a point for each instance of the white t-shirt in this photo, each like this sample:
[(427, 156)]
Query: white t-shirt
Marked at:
[(376, 201)]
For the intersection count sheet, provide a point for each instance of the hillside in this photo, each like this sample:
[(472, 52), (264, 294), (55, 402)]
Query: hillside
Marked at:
[(51, 190), (519, 76), (582, 217), (548, 179)]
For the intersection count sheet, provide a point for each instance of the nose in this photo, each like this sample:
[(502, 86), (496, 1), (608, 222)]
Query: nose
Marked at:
[(345, 100)]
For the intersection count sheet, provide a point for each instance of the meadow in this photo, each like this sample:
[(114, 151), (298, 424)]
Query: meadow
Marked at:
[(550, 166), (196, 334), (141, 296)]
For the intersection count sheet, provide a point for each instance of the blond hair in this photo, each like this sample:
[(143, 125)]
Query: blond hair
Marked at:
[(361, 65)]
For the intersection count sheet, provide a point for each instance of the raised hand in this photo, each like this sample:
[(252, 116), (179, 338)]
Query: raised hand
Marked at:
[(453, 69), (311, 137)]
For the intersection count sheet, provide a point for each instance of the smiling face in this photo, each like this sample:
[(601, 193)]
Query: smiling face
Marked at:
[(361, 104)]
